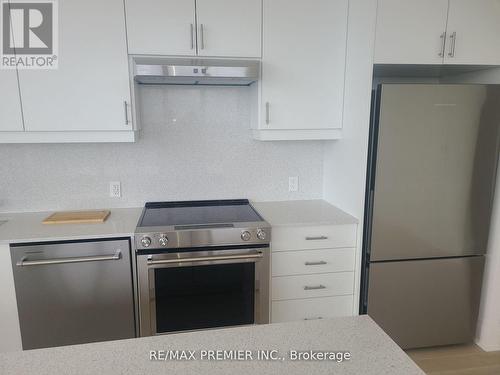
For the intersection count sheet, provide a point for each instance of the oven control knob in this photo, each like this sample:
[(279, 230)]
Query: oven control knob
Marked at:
[(163, 240), (146, 241), (261, 235), (245, 235)]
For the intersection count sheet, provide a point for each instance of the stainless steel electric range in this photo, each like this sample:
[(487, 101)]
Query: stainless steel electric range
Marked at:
[(201, 264)]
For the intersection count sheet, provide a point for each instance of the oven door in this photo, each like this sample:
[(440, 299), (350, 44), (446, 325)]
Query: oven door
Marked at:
[(203, 289)]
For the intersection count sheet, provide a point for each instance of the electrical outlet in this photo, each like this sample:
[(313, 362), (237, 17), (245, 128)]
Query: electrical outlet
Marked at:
[(293, 184), (115, 189)]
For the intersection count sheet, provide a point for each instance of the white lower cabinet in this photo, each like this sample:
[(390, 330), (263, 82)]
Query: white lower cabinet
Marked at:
[(310, 309), (309, 286), (312, 271)]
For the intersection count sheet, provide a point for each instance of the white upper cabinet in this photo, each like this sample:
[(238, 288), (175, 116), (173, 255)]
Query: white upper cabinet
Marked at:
[(229, 27), (303, 69), (11, 118), (473, 32), (161, 27), (219, 28), (410, 31), (438, 32), (90, 90)]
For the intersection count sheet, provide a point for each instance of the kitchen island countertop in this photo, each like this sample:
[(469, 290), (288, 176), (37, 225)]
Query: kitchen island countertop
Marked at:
[(371, 352)]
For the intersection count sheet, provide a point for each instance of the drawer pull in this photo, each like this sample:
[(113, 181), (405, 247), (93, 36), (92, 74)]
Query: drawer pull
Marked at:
[(318, 238), (317, 318), (320, 263), (315, 287)]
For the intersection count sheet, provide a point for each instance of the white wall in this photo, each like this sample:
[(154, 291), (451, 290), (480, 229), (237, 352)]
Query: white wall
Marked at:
[(195, 144), (345, 161)]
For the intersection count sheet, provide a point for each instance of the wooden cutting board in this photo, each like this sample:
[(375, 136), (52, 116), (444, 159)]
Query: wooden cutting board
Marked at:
[(77, 217)]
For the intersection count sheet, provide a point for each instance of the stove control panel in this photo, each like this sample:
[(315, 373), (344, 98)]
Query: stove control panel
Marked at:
[(201, 237)]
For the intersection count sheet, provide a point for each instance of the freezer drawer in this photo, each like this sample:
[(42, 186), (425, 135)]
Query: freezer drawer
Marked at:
[(73, 292), (426, 302)]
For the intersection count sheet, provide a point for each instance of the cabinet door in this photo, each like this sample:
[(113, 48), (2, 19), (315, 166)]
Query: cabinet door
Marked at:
[(89, 89), (161, 27), (230, 28), (410, 31), (303, 63), (475, 26), (10, 106)]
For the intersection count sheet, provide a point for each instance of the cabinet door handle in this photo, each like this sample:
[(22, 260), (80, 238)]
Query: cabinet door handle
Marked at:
[(202, 36), (192, 36), (453, 39), (443, 44), (316, 318), (125, 107), (268, 116), (318, 238), (314, 287), (320, 263)]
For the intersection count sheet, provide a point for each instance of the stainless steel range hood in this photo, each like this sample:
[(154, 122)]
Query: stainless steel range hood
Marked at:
[(186, 71)]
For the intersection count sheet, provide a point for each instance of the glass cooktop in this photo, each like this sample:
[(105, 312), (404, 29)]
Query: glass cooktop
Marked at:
[(198, 213)]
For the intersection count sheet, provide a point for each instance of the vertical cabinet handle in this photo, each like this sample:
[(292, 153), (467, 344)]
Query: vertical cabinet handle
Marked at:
[(202, 36), (125, 107), (443, 44), (453, 39), (268, 118), (192, 36)]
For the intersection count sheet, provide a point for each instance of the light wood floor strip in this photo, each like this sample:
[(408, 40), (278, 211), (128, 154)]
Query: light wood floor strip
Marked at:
[(456, 360)]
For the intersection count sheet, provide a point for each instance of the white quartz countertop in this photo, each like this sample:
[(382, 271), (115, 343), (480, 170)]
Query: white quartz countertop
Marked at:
[(28, 227), (371, 351), (303, 213)]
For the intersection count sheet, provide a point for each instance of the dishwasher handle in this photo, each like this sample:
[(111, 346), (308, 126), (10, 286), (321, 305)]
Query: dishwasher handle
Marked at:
[(93, 258)]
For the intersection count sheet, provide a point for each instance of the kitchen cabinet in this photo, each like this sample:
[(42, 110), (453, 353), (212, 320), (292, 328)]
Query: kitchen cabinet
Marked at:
[(474, 27), (437, 32), (410, 31), (11, 118), (303, 69), (161, 27), (10, 339), (90, 90), (218, 28), (312, 273), (229, 27)]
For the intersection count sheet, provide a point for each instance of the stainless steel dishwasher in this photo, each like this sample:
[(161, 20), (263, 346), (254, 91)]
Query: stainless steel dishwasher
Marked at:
[(73, 292)]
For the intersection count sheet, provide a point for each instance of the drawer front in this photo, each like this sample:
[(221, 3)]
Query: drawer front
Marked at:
[(308, 286), (313, 237), (311, 308), (312, 261)]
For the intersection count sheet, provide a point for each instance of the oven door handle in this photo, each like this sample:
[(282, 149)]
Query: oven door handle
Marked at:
[(207, 259)]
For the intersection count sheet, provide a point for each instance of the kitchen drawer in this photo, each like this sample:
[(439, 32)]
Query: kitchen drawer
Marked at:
[(308, 286), (312, 261), (313, 237), (311, 308)]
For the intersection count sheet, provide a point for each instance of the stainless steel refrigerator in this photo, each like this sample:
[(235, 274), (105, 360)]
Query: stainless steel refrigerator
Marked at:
[(430, 183)]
